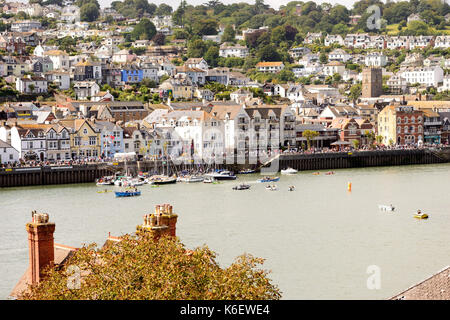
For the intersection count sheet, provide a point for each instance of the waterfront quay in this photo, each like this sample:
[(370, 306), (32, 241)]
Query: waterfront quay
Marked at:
[(47, 175)]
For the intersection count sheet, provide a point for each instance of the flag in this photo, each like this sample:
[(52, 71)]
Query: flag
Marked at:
[(112, 137)]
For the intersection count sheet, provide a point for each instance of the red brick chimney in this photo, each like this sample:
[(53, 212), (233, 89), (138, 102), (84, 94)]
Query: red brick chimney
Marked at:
[(41, 245)]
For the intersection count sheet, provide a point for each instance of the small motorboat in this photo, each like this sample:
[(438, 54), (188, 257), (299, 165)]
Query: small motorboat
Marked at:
[(105, 181), (271, 188), (291, 188), (386, 208), (222, 175), (421, 216), (289, 171), (329, 173), (127, 193), (242, 187), (316, 173), (269, 179), (247, 171)]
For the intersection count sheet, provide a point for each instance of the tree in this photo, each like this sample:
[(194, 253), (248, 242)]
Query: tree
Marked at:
[(144, 30), (205, 27), (355, 91), (355, 143), (379, 139), (159, 39), (89, 12), (140, 268), (323, 58), (196, 49), (228, 34), (212, 56), (309, 135), (268, 53), (163, 10)]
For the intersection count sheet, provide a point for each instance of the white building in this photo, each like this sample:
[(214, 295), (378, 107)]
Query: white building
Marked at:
[(333, 39), (429, 76), (375, 59), (339, 55), (8, 154), (60, 78), (272, 67), (31, 84), (229, 50), (86, 89), (333, 67)]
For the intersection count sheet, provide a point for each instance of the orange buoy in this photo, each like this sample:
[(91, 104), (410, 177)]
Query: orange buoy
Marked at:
[(349, 187)]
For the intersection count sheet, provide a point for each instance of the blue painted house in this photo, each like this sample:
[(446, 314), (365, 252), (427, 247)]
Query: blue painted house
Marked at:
[(132, 75)]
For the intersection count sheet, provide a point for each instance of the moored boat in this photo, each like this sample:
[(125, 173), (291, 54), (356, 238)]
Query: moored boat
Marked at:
[(222, 175), (289, 171), (421, 216), (269, 179), (242, 187), (191, 179), (247, 171), (271, 188), (127, 193), (158, 180)]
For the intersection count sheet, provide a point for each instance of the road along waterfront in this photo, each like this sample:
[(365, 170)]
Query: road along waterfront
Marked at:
[(318, 240)]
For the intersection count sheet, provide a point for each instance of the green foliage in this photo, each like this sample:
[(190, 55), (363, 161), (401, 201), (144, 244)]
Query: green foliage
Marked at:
[(89, 12), (134, 8), (212, 56), (196, 49), (355, 91), (268, 53), (145, 269), (144, 30), (228, 34), (163, 10)]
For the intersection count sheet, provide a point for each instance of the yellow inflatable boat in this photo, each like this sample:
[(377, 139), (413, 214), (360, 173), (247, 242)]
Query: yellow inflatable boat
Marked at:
[(421, 216)]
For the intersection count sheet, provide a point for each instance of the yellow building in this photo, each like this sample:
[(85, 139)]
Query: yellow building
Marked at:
[(84, 138), (387, 124)]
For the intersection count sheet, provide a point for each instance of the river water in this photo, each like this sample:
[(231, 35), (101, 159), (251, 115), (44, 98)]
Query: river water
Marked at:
[(319, 240)]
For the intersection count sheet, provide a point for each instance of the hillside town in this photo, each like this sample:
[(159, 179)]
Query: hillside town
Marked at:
[(82, 84)]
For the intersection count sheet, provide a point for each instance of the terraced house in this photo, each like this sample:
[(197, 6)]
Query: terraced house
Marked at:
[(84, 138)]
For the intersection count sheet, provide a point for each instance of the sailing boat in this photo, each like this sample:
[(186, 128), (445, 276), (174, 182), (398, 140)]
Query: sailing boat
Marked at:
[(163, 179)]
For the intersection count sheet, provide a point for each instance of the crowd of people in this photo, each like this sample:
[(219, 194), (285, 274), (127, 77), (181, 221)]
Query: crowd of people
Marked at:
[(260, 154)]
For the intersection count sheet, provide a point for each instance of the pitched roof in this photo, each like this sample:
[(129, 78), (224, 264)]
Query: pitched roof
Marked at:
[(269, 64), (435, 287)]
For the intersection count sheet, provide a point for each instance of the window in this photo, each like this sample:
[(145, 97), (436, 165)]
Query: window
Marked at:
[(92, 141), (77, 141), (85, 131)]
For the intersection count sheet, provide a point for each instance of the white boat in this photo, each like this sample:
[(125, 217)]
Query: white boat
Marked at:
[(222, 175), (135, 182), (386, 208), (191, 179), (272, 188), (289, 171)]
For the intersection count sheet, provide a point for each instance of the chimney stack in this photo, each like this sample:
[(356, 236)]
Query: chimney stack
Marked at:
[(162, 222), (41, 245)]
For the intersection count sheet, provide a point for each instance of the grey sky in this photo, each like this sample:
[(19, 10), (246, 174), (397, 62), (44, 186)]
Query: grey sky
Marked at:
[(273, 3)]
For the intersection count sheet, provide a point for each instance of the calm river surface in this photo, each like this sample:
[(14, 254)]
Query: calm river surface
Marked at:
[(318, 240)]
